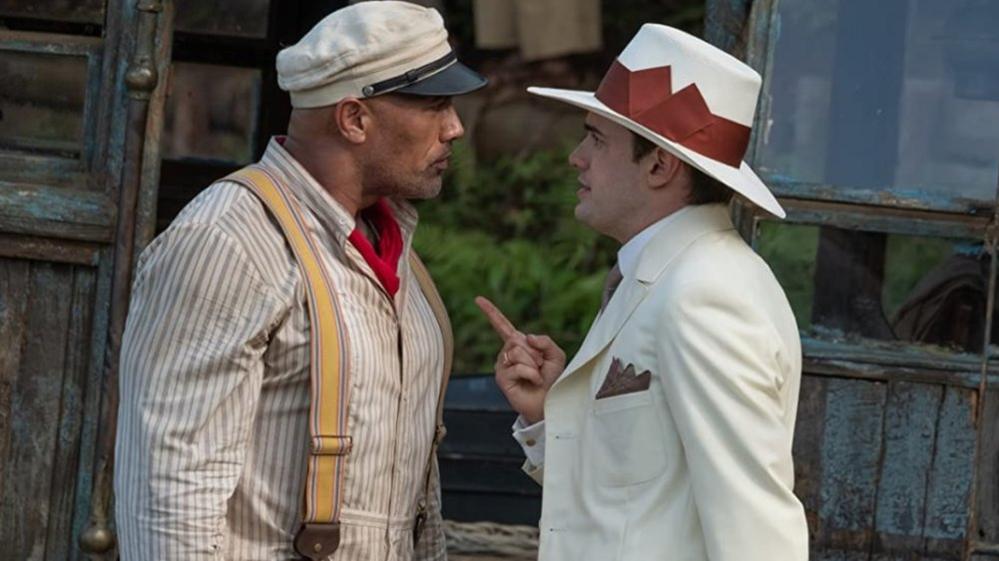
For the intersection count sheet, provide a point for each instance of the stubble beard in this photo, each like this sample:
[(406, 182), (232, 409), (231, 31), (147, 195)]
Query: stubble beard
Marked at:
[(426, 185)]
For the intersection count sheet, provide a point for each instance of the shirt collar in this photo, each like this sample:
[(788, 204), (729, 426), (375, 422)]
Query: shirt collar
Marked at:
[(627, 256), (330, 213)]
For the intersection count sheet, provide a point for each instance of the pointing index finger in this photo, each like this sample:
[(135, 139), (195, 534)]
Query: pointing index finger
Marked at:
[(500, 324)]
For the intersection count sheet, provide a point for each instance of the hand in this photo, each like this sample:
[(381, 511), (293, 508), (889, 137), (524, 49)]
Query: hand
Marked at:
[(526, 366)]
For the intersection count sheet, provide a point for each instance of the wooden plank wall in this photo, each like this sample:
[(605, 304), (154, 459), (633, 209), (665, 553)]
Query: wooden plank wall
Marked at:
[(884, 468), (986, 529), (46, 319)]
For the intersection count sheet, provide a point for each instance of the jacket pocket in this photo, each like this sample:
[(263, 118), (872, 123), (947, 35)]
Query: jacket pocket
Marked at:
[(624, 440)]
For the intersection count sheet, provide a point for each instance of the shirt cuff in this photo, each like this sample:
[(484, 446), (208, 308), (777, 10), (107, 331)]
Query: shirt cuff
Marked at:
[(531, 439)]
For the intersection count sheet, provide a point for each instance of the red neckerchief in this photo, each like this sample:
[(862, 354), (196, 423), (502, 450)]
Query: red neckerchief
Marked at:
[(385, 261)]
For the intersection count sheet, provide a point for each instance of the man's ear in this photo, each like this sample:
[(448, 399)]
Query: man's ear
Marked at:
[(351, 119), (664, 168)]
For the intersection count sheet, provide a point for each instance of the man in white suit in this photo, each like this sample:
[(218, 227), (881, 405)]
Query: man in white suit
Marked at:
[(668, 435)]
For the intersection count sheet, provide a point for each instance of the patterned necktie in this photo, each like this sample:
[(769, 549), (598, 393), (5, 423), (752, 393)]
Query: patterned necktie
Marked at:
[(610, 285)]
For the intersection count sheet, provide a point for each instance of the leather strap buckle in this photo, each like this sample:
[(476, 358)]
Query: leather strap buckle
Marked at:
[(439, 433), (316, 541), (421, 519)]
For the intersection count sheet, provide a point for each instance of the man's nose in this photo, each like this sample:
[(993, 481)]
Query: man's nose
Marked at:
[(576, 159), (453, 129)]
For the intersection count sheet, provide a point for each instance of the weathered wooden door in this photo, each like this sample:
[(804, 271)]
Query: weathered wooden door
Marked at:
[(876, 131), (80, 94)]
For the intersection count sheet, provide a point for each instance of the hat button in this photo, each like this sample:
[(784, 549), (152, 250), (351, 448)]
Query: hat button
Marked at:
[(367, 90)]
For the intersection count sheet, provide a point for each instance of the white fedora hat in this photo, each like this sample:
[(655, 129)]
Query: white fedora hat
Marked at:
[(687, 96)]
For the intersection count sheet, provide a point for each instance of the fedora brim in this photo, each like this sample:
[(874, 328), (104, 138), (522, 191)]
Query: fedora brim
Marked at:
[(456, 79), (743, 180)]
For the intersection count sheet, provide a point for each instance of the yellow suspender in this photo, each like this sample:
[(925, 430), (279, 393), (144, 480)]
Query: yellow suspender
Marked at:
[(329, 370)]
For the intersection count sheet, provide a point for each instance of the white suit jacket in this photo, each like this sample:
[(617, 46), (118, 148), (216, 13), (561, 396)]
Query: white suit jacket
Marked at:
[(686, 455)]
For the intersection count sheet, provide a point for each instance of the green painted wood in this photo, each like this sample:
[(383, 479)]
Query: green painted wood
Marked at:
[(851, 458), (57, 222), (38, 169), (40, 210), (46, 312), (884, 470), (839, 356), (761, 36), (14, 287), (725, 24), (950, 477), (85, 11), (93, 398), (146, 208), (60, 541), (909, 557), (36, 402), (987, 471), (897, 198), (893, 221), (808, 433), (910, 438), (47, 249), (49, 43), (838, 555)]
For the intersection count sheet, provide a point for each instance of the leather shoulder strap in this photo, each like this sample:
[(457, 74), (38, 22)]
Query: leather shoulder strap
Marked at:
[(437, 305), (440, 312)]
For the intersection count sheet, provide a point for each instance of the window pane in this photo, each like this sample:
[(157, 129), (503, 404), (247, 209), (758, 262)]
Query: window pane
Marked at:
[(900, 95), (244, 18), (876, 286), (789, 249), (82, 11), (41, 102), (211, 112), (935, 291)]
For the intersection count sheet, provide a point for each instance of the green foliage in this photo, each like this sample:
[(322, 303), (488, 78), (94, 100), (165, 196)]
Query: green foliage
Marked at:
[(790, 251), (908, 260), (506, 231)]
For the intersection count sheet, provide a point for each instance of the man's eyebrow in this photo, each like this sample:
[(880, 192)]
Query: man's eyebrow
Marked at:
[(437, 100), (592, 129)]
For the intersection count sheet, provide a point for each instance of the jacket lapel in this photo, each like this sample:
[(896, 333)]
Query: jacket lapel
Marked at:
[(627, 297), (681, 230)]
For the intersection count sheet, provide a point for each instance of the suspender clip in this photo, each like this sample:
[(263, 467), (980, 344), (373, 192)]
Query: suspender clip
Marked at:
[(316, 541)]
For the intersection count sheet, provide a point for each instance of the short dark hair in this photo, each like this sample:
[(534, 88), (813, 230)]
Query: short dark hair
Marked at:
[(704, 189)]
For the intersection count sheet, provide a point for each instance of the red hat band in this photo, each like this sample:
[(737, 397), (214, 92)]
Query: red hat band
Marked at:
[(647, 98)]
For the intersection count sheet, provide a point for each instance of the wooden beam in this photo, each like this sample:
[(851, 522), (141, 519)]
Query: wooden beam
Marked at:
[(48, 249)]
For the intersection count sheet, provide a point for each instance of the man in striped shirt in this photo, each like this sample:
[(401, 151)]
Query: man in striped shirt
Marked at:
[(213, 433)]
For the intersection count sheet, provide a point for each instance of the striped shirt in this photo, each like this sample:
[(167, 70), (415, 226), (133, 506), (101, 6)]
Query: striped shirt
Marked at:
[(212, 434)]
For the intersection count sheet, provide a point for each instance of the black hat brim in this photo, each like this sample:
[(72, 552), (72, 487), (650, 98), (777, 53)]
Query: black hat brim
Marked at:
[(456, 79)]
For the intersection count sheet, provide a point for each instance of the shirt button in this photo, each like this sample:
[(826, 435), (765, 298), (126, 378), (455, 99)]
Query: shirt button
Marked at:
[(530, 442)]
